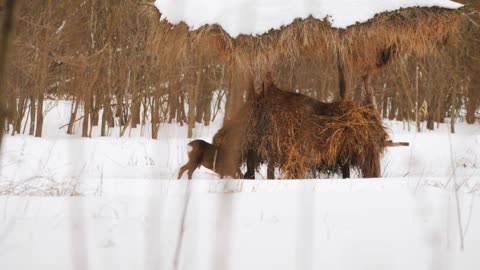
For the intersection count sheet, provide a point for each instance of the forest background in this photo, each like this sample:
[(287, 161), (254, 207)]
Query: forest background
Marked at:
[(97, 54)]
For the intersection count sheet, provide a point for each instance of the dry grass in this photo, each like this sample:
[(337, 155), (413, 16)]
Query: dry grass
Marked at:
[(362, 46)]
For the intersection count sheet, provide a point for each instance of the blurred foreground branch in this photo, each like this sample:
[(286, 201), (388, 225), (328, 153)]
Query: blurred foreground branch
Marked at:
[(7, 29)]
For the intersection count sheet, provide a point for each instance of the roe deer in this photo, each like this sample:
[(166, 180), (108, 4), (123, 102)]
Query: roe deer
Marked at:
[(209, 156)]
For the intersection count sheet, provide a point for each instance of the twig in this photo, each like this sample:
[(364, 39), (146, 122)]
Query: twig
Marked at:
[(459, 214), (83, 116), (181, 234), (395, 144)]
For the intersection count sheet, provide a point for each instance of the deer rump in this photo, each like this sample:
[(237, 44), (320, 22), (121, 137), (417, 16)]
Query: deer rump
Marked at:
[(211, 157)]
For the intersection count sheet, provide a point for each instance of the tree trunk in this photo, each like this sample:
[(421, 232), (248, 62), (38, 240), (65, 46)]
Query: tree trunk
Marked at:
[(73, 116), (135, 112), (95, 110), (207, 107), (393, 106), (472, 103), (201, 92), (384, 102), (22, 104), (401, 108), (181, 114), (119, 110), (105, 115), (173, 99), (453, 111), (39, 127), (191, 103), (431, 113), (86, 116), (193, 84), (155, 119), (33, 110)]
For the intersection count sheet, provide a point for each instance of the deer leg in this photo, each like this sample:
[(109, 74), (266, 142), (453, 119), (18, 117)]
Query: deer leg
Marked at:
[(191, 169), (345, 171), (182, 170)]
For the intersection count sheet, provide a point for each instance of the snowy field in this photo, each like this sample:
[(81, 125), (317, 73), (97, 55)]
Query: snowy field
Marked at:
[(110, 203)]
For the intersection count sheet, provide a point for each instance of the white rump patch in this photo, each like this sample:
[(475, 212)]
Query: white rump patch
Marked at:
[(189, 148)]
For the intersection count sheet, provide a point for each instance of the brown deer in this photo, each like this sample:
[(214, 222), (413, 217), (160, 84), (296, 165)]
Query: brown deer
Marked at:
[(209, 156)]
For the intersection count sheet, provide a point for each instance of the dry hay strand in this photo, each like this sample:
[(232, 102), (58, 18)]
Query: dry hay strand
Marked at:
[(356, 137), (362, 46), (302, 136)]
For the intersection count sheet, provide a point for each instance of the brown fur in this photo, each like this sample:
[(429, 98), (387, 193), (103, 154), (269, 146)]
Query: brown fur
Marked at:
[(209, 156)]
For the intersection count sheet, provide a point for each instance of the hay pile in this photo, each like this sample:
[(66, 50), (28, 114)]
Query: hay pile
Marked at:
[(302, 136), (361, 46)]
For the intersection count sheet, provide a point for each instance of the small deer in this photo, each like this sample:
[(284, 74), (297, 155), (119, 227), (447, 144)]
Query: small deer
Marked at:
[(209, 156)]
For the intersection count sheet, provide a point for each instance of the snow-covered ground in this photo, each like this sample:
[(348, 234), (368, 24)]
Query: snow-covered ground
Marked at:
[(368, 224), (119, 209), (255, 17), (59, 164)]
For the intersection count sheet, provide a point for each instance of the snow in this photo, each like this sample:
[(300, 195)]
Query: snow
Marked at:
[(109, 203), (368, 224), (255, 17)]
